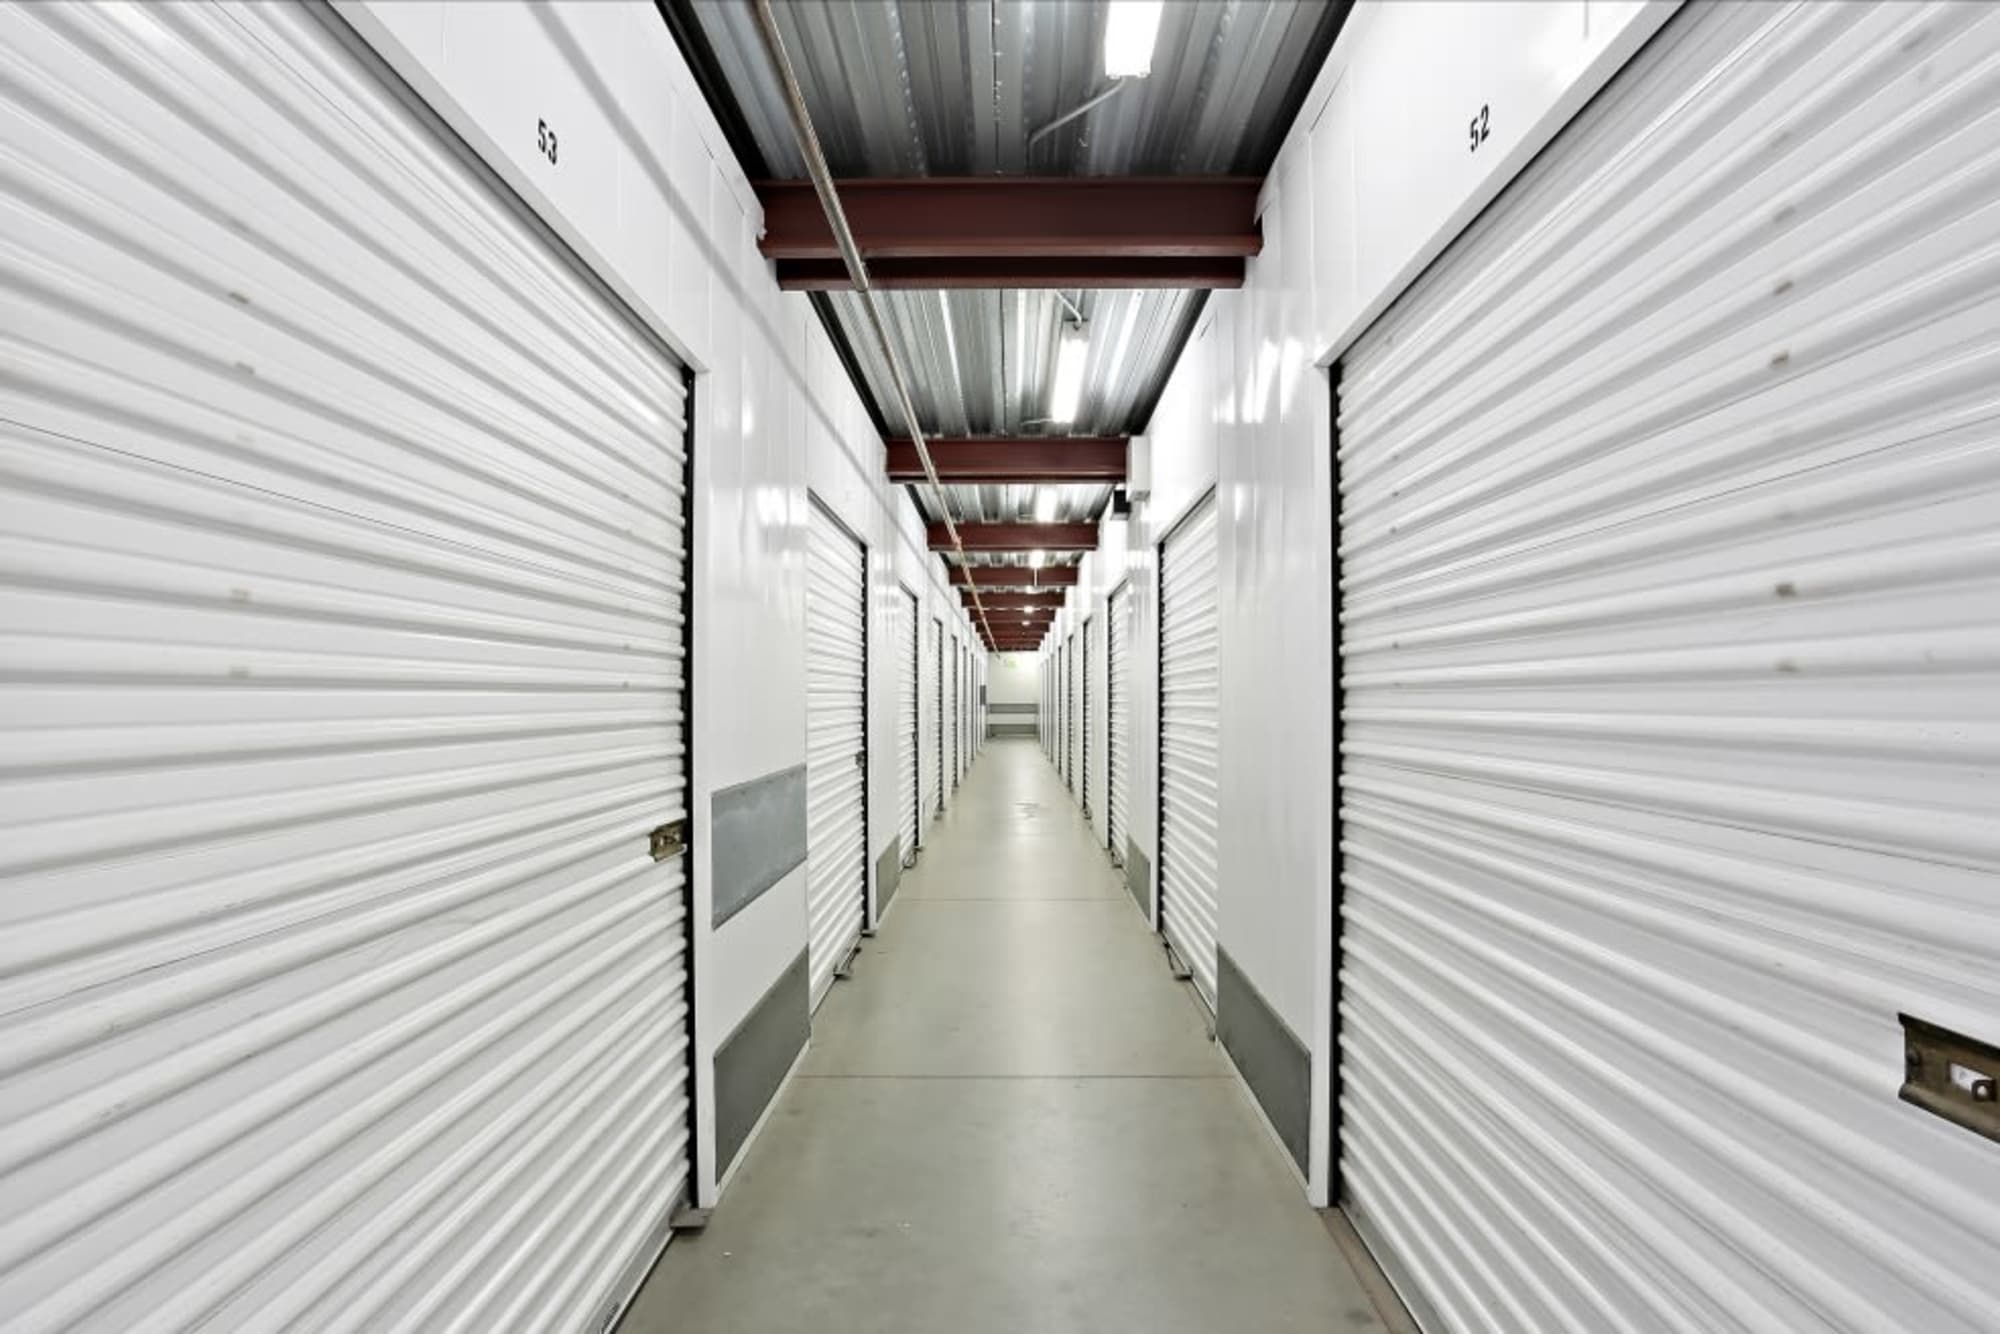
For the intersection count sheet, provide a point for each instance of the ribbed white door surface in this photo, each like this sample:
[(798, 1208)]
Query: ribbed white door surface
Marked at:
[(908, 799), (1084, 714), (1118, 718), (343, 596), (936, 728), (1062, 713), (1072, 703), (836, 729), (1190, 763), (954, 723), (1060, 732), (1671, 531)]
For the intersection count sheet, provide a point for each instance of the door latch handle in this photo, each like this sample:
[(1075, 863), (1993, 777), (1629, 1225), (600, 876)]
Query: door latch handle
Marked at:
[(669, 840)]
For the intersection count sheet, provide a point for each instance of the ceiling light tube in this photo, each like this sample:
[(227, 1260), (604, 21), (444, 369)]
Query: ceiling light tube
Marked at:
[(1130, 30), (1067, 395), (1046, 503)]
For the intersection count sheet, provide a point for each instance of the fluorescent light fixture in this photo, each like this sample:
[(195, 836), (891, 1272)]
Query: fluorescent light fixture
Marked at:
[(1045, 504), (1035, 559), (1130, 28), (1068, 393)]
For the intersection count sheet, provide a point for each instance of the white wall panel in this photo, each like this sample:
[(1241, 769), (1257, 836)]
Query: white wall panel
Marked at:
[(1668, 521)]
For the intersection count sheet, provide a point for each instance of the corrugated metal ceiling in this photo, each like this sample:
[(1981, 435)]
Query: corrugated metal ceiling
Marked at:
[(958, 87), (981, 362)]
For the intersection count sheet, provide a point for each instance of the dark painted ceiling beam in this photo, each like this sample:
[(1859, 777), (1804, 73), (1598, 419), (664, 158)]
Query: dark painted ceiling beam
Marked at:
[(1001, 460), (1014, 231), (1019, 601), (1013, 576), (964, 273), (1017, 537)]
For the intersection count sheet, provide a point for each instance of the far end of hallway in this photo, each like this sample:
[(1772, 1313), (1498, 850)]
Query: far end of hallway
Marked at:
[(1012, 1119)]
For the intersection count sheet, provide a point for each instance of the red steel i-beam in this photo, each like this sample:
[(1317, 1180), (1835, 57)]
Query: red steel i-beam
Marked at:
[(1034, 272), (1018, 537), (1015, 231), (1013, 576), (1017, 602), (999, 460)]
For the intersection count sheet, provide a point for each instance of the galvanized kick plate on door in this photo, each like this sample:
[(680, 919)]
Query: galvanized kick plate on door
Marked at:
[(669, 840), (1951, 1075)]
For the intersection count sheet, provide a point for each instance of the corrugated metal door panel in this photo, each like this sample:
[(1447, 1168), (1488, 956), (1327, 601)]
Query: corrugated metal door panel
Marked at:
[(1190, 742), (1083, 729), (343, 591), (1062, 711), (1072, 752), (1669, 752), (909, 800), (937, 713), (1119, 717), (836, 747)]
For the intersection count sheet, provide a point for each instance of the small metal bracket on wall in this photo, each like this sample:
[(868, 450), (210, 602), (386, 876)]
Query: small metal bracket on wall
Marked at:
[(1952, 1076)]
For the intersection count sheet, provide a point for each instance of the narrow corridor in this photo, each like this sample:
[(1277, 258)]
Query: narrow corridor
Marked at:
[(1011, 1119)]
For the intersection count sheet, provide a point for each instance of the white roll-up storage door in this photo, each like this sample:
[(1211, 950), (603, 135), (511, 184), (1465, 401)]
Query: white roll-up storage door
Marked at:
[(1062, 711), (951, 746), (1190, 742), (1055, 708), (1118, 718), (344, 596), (836, 753), (1671, 504), (909, 801), (937, 715), (1090, 650), (1072, 704)]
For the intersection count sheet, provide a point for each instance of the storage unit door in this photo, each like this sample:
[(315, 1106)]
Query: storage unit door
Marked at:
[(1062, 705), (345, 591), (1063, 717), (1072, 678), (937, 714), (836, 752), (1118, 715), (1668, 524), (909, 801), (1190, 764), (1083, 731)]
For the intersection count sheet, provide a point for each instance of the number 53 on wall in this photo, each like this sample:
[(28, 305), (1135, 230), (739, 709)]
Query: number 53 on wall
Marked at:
[(545, 141)]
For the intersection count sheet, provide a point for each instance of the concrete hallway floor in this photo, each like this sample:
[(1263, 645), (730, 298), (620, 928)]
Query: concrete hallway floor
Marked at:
[(1011, 1120)]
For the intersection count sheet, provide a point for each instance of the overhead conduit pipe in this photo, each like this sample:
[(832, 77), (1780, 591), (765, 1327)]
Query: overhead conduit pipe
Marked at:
[(857, 271)]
